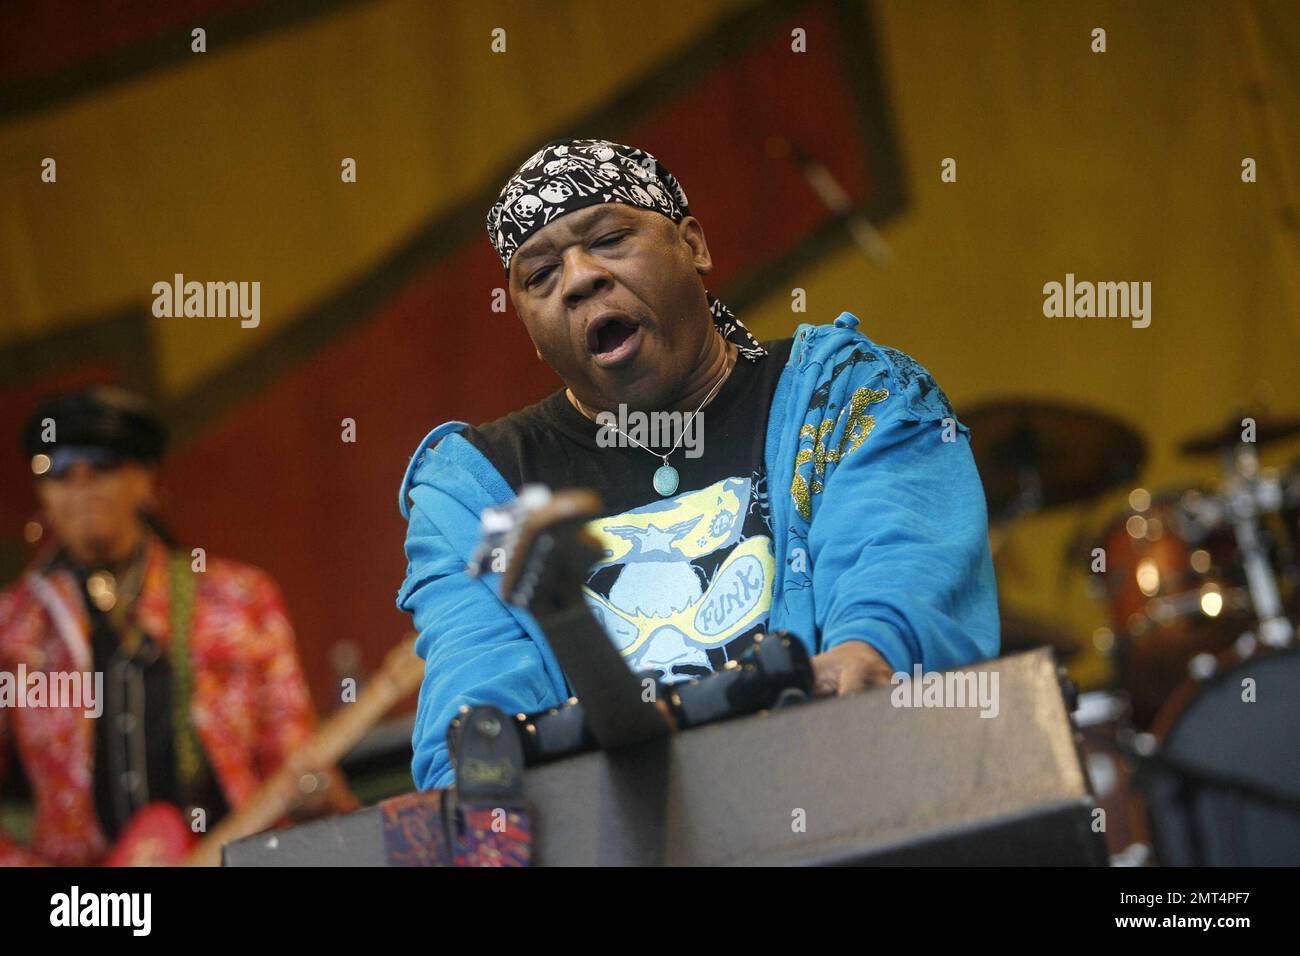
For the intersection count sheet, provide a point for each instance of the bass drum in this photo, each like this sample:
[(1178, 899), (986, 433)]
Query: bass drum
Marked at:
[(1223, 786)]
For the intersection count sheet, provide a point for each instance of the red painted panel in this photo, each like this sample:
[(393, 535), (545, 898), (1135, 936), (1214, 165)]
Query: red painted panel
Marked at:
[(43, 37), (754, 207)]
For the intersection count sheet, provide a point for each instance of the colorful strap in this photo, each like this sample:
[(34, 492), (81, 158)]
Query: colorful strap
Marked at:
[(495, 836), (416, 832), (189, 755)]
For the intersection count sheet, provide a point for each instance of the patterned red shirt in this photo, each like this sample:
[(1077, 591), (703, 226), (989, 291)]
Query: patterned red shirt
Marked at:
[(250, 705)]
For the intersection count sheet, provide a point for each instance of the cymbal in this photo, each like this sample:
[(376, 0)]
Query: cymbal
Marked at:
[(1034, 455), (1024, 632), (1226, 438)]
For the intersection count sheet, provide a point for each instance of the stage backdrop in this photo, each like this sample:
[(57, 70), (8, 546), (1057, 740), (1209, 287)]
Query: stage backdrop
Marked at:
[(377, 295)]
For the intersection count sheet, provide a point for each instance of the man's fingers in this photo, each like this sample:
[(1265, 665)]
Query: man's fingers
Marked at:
[(841, 672), (854, 679), (826, 682)]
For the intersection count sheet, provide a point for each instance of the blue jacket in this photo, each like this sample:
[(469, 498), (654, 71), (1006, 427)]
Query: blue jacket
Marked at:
[(879, 529)]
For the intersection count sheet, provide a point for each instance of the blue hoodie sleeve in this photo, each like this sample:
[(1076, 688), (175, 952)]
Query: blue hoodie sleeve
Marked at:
[(899, 545), (474, 649)]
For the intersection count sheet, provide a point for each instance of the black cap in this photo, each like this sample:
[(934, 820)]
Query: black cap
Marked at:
[(102, 419)]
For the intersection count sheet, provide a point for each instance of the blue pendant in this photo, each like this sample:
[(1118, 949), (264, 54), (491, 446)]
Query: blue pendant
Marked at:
[(665, 480)]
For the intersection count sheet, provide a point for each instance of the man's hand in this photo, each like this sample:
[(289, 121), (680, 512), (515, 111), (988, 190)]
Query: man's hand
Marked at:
[(848, 668)]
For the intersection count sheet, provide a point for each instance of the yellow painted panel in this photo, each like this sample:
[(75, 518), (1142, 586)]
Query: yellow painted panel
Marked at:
[(227, 168)]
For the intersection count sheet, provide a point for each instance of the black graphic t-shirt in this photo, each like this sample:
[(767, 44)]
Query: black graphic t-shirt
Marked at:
[(686, 580)]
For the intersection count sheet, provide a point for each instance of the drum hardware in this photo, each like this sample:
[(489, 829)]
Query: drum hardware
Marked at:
[(1249, 495), (1141, 743), (1210, 600), (1106, 741), (1202, 666)]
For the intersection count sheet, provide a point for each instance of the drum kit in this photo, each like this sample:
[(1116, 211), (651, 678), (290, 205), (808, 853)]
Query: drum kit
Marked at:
[(1193, 751)]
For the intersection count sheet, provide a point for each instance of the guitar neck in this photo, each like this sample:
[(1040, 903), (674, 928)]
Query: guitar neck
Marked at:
[(338, 735), (611, 694), (551, 554)]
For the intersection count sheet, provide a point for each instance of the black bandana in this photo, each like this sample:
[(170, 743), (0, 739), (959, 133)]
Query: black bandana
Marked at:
[(566, 175)]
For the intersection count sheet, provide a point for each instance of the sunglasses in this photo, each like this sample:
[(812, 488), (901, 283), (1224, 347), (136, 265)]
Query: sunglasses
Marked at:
[(63, 460)]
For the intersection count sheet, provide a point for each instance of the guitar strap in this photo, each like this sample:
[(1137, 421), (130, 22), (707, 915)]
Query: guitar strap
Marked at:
[(415, 833), (430, 828), (191, 767), (481, 821)]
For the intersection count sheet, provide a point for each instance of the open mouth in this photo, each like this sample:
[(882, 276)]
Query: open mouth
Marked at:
[(613, 338)]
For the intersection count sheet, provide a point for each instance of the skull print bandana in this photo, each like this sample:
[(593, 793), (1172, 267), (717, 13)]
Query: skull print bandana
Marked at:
[(566, 175)]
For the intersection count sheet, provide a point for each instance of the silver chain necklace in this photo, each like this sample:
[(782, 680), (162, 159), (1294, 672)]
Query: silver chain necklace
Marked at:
[(666, 478)]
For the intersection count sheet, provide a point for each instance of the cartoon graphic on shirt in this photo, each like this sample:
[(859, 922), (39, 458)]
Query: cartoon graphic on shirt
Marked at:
[(680, 580)]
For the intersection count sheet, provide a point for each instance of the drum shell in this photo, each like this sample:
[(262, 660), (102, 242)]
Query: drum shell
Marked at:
[(1160, 629), (1223, 788)]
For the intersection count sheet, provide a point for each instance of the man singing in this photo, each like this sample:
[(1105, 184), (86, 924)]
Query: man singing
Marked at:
[(821, 483)]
